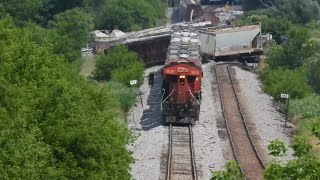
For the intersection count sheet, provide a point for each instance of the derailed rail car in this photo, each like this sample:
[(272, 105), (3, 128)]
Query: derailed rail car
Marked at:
[(182, 74), (189, 9), (241, 41)]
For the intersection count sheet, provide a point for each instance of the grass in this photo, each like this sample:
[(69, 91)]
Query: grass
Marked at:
[(88, 65), (305, 112)]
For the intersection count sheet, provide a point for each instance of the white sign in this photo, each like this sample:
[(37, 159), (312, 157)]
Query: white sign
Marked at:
[(133, 82), (285, 96)]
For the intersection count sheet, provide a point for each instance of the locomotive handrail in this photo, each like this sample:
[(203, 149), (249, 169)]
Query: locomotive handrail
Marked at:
[(167, 97), (194, 97)]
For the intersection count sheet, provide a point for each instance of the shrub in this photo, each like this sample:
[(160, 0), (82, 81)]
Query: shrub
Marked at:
[(121, 65), (314, 75), (294, 52), (279, 81), (308, 107), (122, 93)]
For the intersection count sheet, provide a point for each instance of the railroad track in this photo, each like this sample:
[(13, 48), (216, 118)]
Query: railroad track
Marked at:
[(244, 149), (181, 161)]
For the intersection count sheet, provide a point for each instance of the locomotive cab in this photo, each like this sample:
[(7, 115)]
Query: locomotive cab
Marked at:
[(181, 95)]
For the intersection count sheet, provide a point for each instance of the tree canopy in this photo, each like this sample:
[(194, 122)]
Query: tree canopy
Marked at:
[(54, 124)]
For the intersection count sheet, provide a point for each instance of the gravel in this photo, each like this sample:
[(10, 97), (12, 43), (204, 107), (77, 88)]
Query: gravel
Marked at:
[(265, 122), (146, 123), (150, 147), (208, 146), (211, 143)]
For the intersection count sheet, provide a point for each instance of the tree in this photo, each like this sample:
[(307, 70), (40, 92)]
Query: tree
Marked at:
[(314, 75), (121, 65), (54, 124), (22, 10), (293, 82), (73, 27), (294, 52), (128, 15)]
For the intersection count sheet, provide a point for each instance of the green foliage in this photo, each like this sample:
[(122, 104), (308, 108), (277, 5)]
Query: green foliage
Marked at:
[(308, 107), (120, 65), (21, 10), (277, 148), (304, 167), (231, 171), (300, 146), (54, 124), (277, 26), (128, 15), (313, 75), (73, 27), (316, 129), (298, 11), (293, 53), (122, 94), (279, 81)]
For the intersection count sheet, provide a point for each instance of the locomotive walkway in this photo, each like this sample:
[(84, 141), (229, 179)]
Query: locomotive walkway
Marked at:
[(181, 161), (243, 146)]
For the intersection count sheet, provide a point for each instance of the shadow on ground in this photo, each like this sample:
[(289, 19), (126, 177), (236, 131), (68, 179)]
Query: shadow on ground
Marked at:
[(151, 117)]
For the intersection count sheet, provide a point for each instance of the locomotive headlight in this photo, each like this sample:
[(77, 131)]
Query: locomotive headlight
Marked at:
[(182, 76)]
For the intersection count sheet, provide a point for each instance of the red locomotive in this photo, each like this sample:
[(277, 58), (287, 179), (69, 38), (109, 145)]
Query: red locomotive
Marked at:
[(182, 74)]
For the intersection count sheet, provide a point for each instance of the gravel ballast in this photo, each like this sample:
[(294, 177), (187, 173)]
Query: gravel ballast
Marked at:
[(208, 146), (265, 122), (146, 124), (211, 143)]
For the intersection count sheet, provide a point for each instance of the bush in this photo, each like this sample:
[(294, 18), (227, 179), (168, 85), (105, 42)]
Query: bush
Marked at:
[(128, 15), (308, 107), (231, 171), (121, 65), (294, 52), (124, 95), (279, 81), (314, 75)]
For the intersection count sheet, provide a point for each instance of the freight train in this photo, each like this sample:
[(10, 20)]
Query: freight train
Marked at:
[(182, 74)]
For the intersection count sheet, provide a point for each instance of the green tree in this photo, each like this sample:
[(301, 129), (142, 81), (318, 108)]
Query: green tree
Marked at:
[(294, 52), (73, 27), (121, 65), (278, 81), (22, 10), (314, 75), (54, 124), (128, 15)]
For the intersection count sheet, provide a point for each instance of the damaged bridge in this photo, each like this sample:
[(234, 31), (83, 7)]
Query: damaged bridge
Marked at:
[(150, 44)]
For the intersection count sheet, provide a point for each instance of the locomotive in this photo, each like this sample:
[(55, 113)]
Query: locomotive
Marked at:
[(182, 74)]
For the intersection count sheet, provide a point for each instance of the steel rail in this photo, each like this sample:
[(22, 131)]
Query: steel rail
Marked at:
[(193, 160), (235, 153), (168, 175), (192, 156), (245, 122)]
